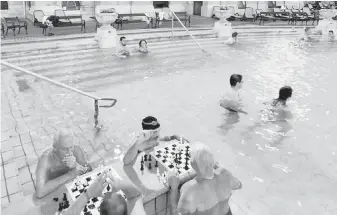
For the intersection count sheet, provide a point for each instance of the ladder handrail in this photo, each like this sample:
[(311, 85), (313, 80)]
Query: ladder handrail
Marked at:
[(187, 31), (96, 98)]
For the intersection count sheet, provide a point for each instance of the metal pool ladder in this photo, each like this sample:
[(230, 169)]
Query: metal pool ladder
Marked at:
[(96, 99)]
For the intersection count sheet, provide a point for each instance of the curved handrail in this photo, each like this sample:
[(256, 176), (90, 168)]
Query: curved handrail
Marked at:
[(187, 31), (96, 98)]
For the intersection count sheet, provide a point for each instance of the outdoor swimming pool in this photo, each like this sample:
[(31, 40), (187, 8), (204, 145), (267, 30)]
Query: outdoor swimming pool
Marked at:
[(290, 174)]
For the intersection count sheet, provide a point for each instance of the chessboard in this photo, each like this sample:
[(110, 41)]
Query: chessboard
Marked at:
[(77, 187), (174, 156)]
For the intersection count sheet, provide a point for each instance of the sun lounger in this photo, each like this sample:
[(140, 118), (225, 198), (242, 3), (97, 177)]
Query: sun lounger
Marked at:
[(249, 14)]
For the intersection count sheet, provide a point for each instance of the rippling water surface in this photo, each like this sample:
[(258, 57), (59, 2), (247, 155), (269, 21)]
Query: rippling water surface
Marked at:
[(286, 166)]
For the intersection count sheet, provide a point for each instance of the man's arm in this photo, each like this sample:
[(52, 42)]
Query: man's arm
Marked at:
[(44, 187), (130, 190), (132, 153), (81, 160)]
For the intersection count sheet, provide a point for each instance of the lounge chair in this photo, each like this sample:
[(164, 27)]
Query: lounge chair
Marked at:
[(38, 16), (249, 14)]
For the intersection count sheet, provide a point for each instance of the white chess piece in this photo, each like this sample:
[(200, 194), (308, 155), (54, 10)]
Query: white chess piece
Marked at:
[(158, 173)]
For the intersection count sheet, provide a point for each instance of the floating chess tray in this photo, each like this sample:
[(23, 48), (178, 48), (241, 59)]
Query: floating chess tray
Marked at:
[(174, 156)]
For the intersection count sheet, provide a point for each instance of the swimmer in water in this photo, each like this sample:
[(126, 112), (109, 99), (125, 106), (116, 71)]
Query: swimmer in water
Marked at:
[(232, 40), (284, 94), (143, 46), (306, 35), (231, 100), (331, 36), (123, 51)]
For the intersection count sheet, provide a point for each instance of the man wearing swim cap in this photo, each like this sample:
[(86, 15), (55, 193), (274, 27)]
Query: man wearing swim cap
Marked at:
[(59, 164), (147, 139)]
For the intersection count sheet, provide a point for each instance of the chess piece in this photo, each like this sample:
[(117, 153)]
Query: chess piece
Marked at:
[(145, 157), (150, 158), (142, 161), (156, 165), (158, 174), (150, 166), (141, 167), (65, 197)]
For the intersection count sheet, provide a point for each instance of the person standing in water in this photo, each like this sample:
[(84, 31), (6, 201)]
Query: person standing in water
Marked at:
[(284, 94), (231, 100), (123, 51), (232, 40), (143, 46), (331, 36)]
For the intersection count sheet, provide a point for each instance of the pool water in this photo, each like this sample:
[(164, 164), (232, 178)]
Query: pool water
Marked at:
[(286, 166)]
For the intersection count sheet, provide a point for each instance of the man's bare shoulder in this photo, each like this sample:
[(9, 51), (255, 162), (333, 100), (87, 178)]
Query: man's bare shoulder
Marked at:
[(189, 185), (46, 159)]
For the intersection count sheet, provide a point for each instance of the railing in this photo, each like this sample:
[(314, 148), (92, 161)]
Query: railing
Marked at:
[(96, 99), (185, 29)]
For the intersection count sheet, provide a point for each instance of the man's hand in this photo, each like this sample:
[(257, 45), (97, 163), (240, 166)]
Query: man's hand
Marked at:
[(173, 179), (113, 181), (70, 161), (76, 171), (95, 189)]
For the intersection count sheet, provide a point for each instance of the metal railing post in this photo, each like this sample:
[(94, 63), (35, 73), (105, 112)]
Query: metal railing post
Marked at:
[(188, 31), (172, 26), (114, 101)]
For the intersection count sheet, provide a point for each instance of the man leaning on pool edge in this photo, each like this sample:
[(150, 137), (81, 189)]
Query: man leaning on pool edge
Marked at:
[(56, 166)]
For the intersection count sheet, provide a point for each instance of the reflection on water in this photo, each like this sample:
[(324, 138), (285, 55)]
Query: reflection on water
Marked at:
[(286, 158)]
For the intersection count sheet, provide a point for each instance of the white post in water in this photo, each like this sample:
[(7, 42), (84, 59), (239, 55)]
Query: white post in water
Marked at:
[(172, 26), (106, 35)]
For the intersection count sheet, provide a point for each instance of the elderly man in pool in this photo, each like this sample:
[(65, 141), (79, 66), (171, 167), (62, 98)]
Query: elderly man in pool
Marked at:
[(57, 165), (208, 192)]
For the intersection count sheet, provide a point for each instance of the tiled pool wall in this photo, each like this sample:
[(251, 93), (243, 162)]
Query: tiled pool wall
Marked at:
[(161, 205)]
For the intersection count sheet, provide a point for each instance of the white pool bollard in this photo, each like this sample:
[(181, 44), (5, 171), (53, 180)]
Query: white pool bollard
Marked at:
[(222, 28), (106, 35)]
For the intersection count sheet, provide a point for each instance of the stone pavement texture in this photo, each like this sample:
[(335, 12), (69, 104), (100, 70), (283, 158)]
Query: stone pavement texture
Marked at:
[(196, 21), (28, 121)]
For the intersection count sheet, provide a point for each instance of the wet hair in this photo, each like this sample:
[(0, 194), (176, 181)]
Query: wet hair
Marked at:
[(122, 38), (331, 31), (234, 79), (285, 93), (235, 34), (140, 42), (202, 159), (113, 204), (150, 123)]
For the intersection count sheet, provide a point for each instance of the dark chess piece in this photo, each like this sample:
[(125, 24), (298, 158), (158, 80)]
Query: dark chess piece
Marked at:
[(65, 197), (150, 166), (94, 199), (85, 209), (156, 165), (60, 207), (92, 206), (145, 157), (142, 159), (56, 199), (150, 159), (141, 167), (108, 188)]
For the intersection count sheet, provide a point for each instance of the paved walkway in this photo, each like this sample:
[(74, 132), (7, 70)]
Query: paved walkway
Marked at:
[(197, 21)]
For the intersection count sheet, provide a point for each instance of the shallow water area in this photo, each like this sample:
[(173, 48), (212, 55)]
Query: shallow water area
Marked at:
[(286, 166)]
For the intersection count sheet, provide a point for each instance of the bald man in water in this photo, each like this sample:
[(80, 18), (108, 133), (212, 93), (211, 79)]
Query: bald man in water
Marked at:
[(62, 163)]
